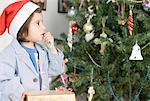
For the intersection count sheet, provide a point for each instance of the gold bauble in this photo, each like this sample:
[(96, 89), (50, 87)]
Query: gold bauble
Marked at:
[(103, 35), (97, 41), (122, 21), (88, 27)]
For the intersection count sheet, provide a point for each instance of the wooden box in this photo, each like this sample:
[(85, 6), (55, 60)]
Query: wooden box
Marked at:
[(51, 96)]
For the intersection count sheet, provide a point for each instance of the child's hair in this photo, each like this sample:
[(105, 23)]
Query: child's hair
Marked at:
[(23, 32), (41, 4)]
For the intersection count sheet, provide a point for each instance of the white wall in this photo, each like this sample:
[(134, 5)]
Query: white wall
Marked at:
[(55, 22)]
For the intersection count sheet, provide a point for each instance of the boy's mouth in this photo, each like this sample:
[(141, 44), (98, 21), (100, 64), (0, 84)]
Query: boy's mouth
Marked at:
[(43, 34)]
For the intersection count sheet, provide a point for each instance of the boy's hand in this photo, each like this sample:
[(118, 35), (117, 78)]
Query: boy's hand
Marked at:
[(23, 96), (49, 41), (48, 38), (60, 88)]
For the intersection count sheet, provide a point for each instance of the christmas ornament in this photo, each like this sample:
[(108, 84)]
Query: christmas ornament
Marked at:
[(146, 6), (71, 11), (81, 4), (97, 4), (103, 34), (89, 36), (97, 41), (110, 40), (70, 41), (130, 20), (74, 27), (65, 60), (103, 29), (102, 44), (91, 92), (121, 20), (113, 1), (136, 53), (88, 27), (70, 35), (136, 1), (88, 0), (90, 10), (64, 79), (103, 47)]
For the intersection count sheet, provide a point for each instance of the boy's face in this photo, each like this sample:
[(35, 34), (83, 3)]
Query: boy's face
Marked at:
[(36, 29)]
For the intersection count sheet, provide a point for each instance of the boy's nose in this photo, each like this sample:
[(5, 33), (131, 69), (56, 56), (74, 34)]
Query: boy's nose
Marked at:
[(43, 27)]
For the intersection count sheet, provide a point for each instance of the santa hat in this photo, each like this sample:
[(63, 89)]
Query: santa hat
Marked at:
[(13, 14)]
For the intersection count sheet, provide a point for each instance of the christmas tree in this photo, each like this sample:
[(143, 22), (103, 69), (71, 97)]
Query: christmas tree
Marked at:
[(108, 49)]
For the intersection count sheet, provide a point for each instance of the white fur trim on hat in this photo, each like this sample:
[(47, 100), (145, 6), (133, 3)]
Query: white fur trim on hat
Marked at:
[(5, 40), (5, 3), (20, 18)]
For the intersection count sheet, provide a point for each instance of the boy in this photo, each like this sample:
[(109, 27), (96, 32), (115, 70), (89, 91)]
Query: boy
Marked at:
[(25, 63)]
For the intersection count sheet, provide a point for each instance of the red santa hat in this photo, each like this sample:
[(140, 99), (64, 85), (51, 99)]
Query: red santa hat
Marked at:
[(13, 14)]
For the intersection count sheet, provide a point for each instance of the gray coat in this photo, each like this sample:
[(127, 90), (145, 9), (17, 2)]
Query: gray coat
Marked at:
[(17, 72)]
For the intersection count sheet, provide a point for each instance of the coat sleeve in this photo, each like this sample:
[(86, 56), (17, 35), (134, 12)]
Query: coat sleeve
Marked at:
[(56, 63), (10, 86)]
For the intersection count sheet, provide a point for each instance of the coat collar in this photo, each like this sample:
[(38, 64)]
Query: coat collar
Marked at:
[(24, 56)]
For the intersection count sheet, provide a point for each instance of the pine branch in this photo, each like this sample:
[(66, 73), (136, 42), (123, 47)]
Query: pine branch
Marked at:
[(93, 60), (146, 45)]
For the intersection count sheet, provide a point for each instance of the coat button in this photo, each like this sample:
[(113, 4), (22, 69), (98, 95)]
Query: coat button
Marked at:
[(11, 98), (35, 80)]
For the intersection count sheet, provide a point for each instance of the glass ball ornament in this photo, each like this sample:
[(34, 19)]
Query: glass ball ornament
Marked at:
[(146, 6), (74, 27), (71, 11)]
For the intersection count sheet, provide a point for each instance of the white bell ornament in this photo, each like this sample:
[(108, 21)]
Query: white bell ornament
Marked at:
[(136, 53)]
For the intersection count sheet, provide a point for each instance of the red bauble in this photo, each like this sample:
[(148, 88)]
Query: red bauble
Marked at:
[(74, 27)]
